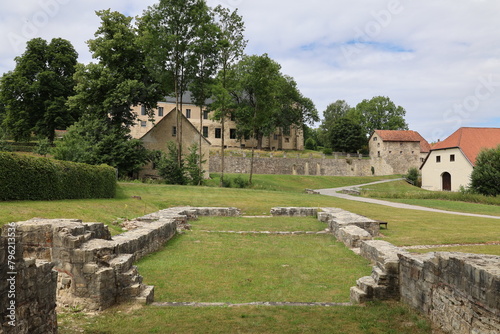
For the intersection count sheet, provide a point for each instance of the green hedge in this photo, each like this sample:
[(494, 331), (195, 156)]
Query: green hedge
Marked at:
[(30, 178)]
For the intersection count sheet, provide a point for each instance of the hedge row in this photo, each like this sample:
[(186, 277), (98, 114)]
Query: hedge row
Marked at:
[(30, 178)]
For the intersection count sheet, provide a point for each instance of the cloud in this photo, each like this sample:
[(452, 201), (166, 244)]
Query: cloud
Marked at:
[(427, 56)]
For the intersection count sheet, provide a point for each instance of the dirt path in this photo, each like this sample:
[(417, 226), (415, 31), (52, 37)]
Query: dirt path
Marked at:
[(335, 193)]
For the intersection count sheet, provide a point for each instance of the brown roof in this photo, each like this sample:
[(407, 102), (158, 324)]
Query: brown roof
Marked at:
[(404, 135), (471, 141)]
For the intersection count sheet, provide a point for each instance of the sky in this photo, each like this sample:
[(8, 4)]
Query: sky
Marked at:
[(439, 60)]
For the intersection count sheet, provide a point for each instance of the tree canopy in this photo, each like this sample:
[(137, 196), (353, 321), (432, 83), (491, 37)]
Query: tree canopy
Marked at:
[(379, 113), (346, 135), (36, 91), (486, 172)]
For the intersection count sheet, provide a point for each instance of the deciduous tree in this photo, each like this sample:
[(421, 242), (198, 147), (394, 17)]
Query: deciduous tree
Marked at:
[(36, 91), (346, 135), (486, 174)]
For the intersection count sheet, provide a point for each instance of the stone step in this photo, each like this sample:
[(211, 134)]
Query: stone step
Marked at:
[(147, 295), (379, 275), (358, 296), (122, 263), (366, 284), (129, 278)]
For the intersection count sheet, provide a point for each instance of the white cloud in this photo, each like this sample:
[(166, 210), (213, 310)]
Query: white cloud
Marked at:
[(427, 56)]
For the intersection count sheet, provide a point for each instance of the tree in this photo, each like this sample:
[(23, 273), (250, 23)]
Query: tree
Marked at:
[(169, 168), (171, 32), (379, 113), (346, 135), (92, 141), (486, 173), (231, 44), (334, 111), (120, 79), (265, 100), (36, 91)]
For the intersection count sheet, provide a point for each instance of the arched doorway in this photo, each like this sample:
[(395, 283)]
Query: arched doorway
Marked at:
[(446, 178)]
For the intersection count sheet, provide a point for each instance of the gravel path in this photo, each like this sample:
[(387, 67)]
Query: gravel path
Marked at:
[(335, 192)]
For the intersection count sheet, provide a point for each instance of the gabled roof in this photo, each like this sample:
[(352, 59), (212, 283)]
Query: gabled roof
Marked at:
[(471, 141), (404, 136)]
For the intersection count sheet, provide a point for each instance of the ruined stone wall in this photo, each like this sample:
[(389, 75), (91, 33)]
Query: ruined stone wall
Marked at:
[(27, 289), (353, 166), (459, 292)]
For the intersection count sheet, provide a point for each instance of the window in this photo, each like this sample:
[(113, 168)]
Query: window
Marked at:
[(232, 117), (205, 131), (143, 110), (160, 111), (378, 144), (412, 152), (452, 157), (400, 152), (143, 124), (438, 158), (205, 114), (275, 137), (400, 144), (287, 140), (174, 131), (218, 133), (188, 113), (378, 153), (390, 152), (374, 138)]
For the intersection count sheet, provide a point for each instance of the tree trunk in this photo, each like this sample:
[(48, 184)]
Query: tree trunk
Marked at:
[(222, 151), (251, 165), (178, 122), (200, 152)]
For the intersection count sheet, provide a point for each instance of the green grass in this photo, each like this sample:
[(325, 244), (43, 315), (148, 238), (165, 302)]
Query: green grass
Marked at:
[(298, 183), (233, 268), (387, 318), (268, 223), (486, 249)]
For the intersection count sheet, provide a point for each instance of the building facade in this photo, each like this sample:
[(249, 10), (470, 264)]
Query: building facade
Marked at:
[(399, 149), (212, 130), (450, 163)]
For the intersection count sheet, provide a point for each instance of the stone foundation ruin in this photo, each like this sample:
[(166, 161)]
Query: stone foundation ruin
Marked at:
[(79, 264)]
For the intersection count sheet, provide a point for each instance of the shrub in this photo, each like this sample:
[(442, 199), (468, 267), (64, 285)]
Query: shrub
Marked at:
[(31, 178), (311, 144), (327, 151), (486, 173), (413, 177)]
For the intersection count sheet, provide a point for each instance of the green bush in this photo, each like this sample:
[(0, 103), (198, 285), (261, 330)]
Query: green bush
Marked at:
[(327, 151), (31, 178), (486, 174), (413, 177)]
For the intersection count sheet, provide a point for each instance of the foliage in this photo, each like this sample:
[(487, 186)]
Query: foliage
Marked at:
[(327, 151), (36, 91), (119, 80), (173, 34), (311, 144), (334, 111), (30, 178), (96, 142), (486, 173), (4, 144), (413, 177), (194, 170), (43, 147), (346, 135), (379, 113), (169, 168)]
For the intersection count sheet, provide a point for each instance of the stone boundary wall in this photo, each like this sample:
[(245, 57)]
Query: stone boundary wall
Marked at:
[(27, 290), (460, 293), (353, 166)]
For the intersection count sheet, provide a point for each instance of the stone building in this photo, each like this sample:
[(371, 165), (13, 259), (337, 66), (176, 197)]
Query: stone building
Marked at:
[(399, 149), (451, 161), (211, 129), (165, 130)]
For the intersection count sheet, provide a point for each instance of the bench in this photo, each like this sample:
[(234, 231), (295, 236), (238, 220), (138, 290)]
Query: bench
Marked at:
[(380, 224)]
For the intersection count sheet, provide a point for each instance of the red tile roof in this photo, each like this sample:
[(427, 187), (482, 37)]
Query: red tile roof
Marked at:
[(471, 141), (404, 135)]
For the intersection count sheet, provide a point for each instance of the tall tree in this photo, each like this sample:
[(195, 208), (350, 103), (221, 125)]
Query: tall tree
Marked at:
[(265, 100), (346, 135), (486, 173), (36, 91), (334, 111), (379, 113), (231, 45), (171, 31), (120, 79)]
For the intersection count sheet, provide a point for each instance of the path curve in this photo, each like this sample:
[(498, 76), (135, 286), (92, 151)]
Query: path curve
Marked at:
[(335, 193)]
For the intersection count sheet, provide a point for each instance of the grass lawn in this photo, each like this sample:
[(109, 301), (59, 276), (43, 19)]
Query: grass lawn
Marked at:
[(220, 267), (386, 318)]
